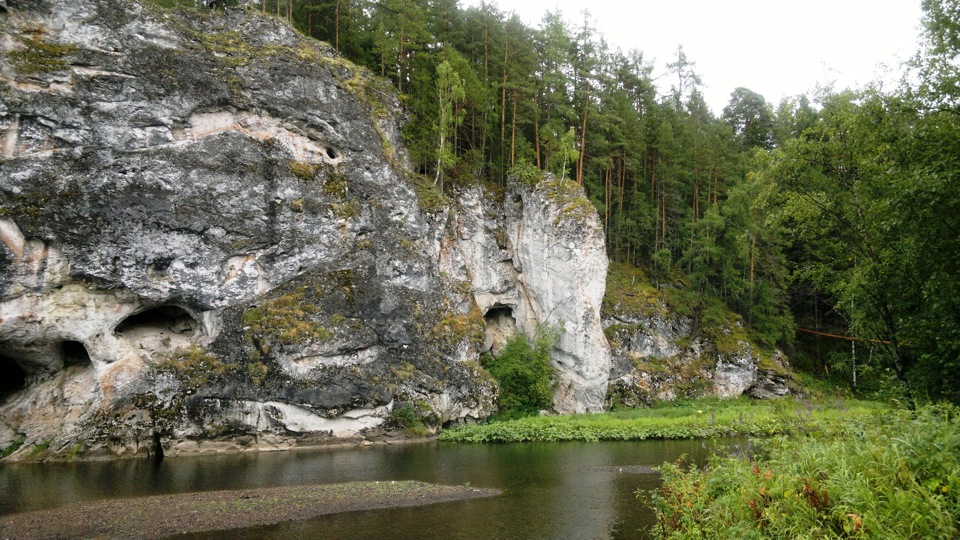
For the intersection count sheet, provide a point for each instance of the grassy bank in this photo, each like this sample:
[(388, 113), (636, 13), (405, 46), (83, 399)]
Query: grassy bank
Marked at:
[(894, 476), (704, 418)]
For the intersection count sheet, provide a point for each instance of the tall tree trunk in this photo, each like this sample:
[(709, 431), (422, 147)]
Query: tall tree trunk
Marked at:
[(400, 57), (653, 177), (513, 131), (503, 108), (693, 223), (503, 96), (336, 31), (583, 139), (716, 182), (606, 201), (663, 226), (536, 129)]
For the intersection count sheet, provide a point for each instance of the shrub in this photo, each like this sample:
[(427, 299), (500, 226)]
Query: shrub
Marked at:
[(413, 417), (524, 373), (897, 476)]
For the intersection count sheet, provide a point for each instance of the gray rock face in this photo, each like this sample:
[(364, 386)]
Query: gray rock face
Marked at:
[(203, 238), (208, 242), (658, 358), (536, 260)]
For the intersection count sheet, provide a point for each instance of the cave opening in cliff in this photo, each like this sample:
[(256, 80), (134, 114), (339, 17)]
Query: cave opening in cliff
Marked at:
[(173, 319), (13, 377), (75, 354), (162, 328), (500, 327)]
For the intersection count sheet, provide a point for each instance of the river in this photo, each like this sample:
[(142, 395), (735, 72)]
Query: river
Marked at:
[(551, 490)]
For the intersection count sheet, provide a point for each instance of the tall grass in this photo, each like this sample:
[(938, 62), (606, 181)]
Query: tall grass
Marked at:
[(705, 418), (896, 475)]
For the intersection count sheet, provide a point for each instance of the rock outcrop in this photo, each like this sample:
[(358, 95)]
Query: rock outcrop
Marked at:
[(538, 257), (656, 354), (208, 242)]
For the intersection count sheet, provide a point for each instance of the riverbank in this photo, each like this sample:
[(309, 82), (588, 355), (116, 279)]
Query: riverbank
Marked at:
[(694, 419), (166, 515), (897, 476)]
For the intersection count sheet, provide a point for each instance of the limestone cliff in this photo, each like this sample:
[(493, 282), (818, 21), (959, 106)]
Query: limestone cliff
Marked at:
[(538, 257), (208, 241)]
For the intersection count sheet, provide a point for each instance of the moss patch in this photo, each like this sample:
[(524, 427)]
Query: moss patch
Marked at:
[(38, 56), (286, 319), (630, 292), (194, 366), (454, 329), (335, 184), (303, 171), (569, 197), (432, 200)]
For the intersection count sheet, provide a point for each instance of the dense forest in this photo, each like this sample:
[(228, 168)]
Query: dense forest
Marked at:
[(836, 213)]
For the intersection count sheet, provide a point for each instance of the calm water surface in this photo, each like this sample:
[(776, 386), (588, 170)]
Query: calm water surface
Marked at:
[(551, 490)]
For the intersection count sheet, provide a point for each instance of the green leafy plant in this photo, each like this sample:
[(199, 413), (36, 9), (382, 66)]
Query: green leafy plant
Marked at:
[(523, 371), (894, 476)]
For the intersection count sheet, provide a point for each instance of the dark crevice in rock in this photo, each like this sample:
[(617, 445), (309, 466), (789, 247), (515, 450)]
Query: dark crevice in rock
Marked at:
[(75, 354), (13, 378)]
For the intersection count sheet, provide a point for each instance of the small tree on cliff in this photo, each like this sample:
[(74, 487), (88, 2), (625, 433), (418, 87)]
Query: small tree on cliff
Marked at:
[(450, 92)]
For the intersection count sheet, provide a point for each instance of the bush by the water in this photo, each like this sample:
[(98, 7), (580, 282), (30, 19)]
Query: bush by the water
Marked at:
[(897, 476), (523, 371)]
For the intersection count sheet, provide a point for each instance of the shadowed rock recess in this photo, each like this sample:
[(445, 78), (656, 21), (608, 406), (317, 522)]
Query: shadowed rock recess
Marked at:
[(208, 242)]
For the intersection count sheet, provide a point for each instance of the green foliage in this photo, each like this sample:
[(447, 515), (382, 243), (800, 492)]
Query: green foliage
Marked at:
[(751, 118), (896, 475), (523, 371), (630, 292), (431, 199), (14, 446), (414, 418), (257, 371), (450, 93), (336, 185), (694, 419), (526, 173), (39, 448)]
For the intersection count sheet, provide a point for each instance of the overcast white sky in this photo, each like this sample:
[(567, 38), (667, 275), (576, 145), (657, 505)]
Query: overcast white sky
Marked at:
[(777, 48)]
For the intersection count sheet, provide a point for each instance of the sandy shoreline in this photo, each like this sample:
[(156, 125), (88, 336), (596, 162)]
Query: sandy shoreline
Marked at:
[(166, 515)]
